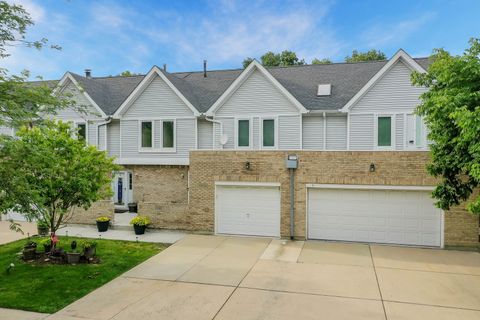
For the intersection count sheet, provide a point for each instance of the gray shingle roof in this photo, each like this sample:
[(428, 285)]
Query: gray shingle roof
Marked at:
[(301, 81)]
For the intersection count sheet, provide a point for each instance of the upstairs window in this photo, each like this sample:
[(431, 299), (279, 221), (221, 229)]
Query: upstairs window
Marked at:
[(268, 132), (82, 131), (384, 131), (168, 134), (243, 133), (147, 134)]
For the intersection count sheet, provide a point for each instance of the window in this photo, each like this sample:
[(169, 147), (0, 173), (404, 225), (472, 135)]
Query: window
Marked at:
[(168, 134), (418, 131), (268, 126), (82, 131), (130, 181), (384, 132), (147, 134), (243, 133)]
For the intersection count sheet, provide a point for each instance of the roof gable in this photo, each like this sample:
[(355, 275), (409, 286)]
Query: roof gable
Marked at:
[(245, 75), (149, 77)]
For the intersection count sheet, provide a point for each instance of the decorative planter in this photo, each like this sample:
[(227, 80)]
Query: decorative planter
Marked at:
[(73, 257), (29, 253), (42, 231), (132, 207), (139, 229), (90, 252), (102, 226)]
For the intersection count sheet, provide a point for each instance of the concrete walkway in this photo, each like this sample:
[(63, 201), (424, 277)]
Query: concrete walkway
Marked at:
[(7, 235), (11, 314), (212, 277)]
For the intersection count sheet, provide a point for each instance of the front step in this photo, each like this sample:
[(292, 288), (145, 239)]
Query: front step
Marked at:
[(122, 220)]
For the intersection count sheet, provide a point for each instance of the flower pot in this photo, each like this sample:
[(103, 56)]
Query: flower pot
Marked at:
[(89, 252), (47, 247), (132, 207), (73, 257), (42, 231), (29, 253), (102, 226), (139, 229)]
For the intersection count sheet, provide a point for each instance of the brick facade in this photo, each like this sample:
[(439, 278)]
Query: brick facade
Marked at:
[(99, 208), (343, 167)]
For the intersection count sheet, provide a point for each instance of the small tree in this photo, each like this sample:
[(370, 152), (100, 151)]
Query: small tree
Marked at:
[(46, 173), (451, 110), (321, 61), (371, 55)]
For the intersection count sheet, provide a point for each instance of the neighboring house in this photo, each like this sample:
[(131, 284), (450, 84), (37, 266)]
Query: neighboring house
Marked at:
[(206, 151)]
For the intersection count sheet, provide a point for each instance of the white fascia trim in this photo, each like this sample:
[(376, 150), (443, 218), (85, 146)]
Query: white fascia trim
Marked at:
[(247, 184), (242, 77), (155, 161), (68, 76), (141, 87), (369, 187), (400, 55)]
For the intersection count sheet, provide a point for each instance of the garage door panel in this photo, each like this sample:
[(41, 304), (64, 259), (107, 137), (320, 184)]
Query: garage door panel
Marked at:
[(248, 210), (386, 216)]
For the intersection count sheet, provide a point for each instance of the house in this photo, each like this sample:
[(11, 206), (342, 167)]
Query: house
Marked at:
[(206, 151)]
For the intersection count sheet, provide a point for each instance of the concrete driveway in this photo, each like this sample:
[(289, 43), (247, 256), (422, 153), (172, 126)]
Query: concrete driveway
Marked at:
[(212, 277), (7, 235)]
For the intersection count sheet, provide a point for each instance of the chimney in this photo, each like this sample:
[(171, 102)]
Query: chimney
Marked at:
[(88, 73), (165, 67), (204, 68)]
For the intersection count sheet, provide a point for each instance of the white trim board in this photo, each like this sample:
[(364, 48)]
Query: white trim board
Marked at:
[(247, 184), (254, 65), (153, 161), (369, 187)]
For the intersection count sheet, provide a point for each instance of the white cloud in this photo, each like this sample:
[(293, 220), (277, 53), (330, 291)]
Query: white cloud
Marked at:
[(384, 34), (36, 11), (110, 16)]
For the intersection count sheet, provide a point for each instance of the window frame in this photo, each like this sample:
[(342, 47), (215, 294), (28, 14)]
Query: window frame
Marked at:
[(77, 124), (392, 117), (154, 148), (168, 149), (250, 133), (140, 135), (275, 132)]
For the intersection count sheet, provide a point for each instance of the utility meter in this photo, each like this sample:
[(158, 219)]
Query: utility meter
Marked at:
[(292, 161)]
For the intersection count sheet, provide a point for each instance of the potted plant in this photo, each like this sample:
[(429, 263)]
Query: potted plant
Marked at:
[(42, 228), (47, 244), (140, 223), (132, 207), (29, 250), (73, 257), (89, 248), (103, 223)]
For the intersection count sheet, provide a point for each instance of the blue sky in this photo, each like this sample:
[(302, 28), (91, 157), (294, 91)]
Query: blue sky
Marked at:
[(112, 36)]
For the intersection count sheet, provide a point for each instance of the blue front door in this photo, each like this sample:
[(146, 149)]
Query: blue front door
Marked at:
[(120, 190)]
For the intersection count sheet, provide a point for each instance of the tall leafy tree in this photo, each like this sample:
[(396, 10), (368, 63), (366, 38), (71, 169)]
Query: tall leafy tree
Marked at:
[(246, 62), (321, 61), (270, 59), (371, 55), (22, 103), (451, 110), (46, 173)]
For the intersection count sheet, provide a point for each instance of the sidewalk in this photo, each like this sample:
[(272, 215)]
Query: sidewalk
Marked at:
[(7, 235), (12, 314)]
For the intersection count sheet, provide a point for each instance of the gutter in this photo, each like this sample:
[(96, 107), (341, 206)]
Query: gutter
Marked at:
[(107, 121)]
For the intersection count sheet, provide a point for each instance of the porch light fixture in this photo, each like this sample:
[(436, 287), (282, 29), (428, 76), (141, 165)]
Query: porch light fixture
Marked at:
[(372, 167), (247, 165)]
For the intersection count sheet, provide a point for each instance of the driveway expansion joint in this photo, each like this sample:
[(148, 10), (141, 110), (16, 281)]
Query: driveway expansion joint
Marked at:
[(378, 283)]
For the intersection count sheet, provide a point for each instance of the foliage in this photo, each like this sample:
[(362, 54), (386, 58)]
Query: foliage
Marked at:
[(21, 102), (46, 174), (87, 244), (46, 241), (42, 224), (103, 219), (371, 55), (270, 59), (321, 61), (128, 73), (48, 288), (451, 110), (246, 62), (140, 221)]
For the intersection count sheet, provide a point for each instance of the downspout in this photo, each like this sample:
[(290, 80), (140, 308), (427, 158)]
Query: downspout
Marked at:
[(217, 122), (292, 203), (107, 121)]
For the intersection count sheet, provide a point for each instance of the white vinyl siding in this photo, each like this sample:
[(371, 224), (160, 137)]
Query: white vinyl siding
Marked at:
[(361, 131), (399, 132), (392, 93), (185, 141), (89, 111), (313, 133), (101, 137), (92, 133), (205, 134), (256, 95), (113, 138), (158, 100), (6, 131), (336, 132), (289, 132), (256, 133)]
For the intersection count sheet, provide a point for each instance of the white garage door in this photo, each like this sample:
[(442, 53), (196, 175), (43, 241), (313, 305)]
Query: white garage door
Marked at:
[(383, 216), (248, 210)]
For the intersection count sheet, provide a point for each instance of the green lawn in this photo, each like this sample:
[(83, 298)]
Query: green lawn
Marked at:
[(49, 288)]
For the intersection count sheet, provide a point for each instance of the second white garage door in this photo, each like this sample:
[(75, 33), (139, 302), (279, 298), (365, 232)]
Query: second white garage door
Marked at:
[(383, 216), (248, 210)]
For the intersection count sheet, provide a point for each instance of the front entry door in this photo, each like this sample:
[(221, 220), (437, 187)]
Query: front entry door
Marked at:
[(120, 190)]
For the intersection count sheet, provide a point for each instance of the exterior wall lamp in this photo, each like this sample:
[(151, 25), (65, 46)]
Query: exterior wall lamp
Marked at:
[(247, 165), (372, 167)]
